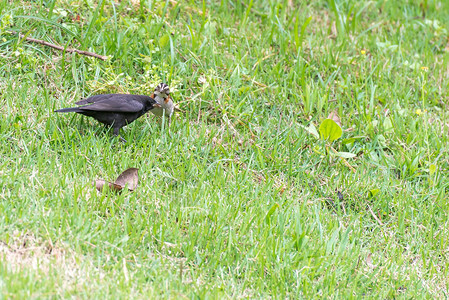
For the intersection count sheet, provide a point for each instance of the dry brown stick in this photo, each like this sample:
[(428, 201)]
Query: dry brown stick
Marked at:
[(374, 216), (179, 52), (71, 50), (248, 78)]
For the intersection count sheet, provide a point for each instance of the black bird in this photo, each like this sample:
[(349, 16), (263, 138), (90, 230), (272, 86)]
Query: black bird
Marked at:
[(114, 110)]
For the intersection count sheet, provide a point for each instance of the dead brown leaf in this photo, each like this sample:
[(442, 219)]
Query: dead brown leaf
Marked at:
[(129, 177), (100, 183), (369, 262), (334, 116)]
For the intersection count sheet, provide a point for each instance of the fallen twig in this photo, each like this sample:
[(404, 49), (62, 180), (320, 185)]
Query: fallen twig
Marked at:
[(374, 216), (71, 50)]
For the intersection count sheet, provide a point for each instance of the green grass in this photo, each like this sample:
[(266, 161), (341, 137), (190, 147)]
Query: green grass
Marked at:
[(238, 200)]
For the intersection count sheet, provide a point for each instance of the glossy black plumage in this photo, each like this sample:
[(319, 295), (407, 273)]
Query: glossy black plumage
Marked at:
[(114, 110)]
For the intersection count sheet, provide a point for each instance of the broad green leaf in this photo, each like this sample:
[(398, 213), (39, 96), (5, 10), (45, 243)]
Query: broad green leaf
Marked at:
[(311, 129), (374, 192), (329, 130), (164, 40), (432, 169), (352, 139), (345, 154), (388, 126), (382, 140)]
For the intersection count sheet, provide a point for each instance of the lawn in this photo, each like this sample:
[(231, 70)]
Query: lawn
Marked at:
[(244, 196)]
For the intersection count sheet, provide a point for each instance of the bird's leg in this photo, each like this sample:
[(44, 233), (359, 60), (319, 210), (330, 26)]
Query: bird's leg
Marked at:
[(116, 132)]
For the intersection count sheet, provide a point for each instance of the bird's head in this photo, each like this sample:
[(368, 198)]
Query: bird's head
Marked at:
[(162, 90)]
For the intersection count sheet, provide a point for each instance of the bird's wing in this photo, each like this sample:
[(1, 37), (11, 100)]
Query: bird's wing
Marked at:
[(94, 99), (113, 103)]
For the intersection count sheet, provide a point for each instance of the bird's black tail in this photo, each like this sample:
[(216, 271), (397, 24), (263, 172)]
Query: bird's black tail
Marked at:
[(69, 109)]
